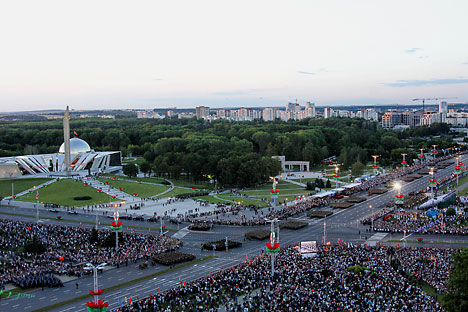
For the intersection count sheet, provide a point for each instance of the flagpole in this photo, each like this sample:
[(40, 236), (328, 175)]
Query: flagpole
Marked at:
[(37, 206)]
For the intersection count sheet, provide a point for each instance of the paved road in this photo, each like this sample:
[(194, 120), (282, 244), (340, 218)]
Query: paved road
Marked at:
[(343, 224)]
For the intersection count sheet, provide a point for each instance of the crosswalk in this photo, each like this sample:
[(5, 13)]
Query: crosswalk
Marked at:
[(374, 239)]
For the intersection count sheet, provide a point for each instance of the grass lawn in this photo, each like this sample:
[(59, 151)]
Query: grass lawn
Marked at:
[(243, 200), (229, 198), (19, 185), (63, 192), (176, 191), (142, 189), (212, 200), (144, 179), (197, 185), (133, 160)]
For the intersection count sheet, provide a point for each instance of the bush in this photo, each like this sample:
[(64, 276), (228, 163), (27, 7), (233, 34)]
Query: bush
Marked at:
[(172, 257), (82, 198), (94, 237), (35, 246), (199, 227), (109, 241), (310, 186), (221, 245), (293, 225), (190, 195), (357, 269), (258, 234), (450, 212)]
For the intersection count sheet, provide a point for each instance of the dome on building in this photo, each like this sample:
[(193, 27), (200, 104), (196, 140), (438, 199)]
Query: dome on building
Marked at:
[(77, 146)]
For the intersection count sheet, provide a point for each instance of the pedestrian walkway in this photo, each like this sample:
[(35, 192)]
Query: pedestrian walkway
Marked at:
[(374, 239), (33, 189)]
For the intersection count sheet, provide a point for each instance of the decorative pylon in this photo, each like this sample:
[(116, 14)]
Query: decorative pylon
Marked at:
[(116, 225), (404, 163), (421, 156), (374, 164), (458, 168), (96, 305), (274, 191), (273, 246), (434, 151), (399, 198)]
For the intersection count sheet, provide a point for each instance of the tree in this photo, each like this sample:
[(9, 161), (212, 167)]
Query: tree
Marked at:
[(145, 167), (357, 168), (130, 170), (455, 298), (94, 237), (328, 183), (310, 186)]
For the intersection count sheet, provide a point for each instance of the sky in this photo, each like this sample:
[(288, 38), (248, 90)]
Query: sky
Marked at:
[(157, 54)]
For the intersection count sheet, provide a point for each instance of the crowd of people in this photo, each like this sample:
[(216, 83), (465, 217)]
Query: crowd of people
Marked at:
[(66, 247), (325, 282), (430, 265), (419, 222)]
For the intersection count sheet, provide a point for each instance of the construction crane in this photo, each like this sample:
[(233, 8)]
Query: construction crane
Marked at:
[(432, 99)]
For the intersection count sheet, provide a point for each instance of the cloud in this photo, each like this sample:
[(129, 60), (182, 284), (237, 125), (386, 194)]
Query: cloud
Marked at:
[(466, 63), (413, 50), (305, 73), (418, 83), (157, 79)]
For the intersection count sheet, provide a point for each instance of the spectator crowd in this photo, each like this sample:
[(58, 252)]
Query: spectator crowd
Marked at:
[(66, 249), (326, 282)]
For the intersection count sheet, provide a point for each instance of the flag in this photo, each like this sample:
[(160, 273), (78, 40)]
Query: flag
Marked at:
[(130, 301), (74, 132), (185, 284), (157, 290), (81, 224)]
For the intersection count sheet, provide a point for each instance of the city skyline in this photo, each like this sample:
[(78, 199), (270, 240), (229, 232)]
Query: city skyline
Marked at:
[(219, 54)]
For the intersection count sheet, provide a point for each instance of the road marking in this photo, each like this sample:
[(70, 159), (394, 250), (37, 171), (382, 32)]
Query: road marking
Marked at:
[(53, 299)]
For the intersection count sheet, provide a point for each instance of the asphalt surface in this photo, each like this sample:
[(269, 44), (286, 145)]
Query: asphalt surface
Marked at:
[(343, 224)]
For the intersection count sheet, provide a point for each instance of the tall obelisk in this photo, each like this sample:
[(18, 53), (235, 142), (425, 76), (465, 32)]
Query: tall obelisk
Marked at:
[(66, 139)]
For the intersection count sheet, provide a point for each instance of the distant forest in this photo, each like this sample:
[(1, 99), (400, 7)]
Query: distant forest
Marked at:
[(235, 153)]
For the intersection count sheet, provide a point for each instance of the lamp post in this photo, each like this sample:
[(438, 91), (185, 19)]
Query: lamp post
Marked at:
[(404, 163), (434, 151), (375, 165), (336, 175), (273, 246), (457, 170), (97, 304), (432, 183), (324, 238), (372, 217), (399, 198), (37, 206), (421, 156)]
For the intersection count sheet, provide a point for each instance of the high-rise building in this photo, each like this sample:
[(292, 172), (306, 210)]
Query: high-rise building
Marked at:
[(309, 110), (390, 119), (202, 112), (443, 107), (268, 114), (328, 112)]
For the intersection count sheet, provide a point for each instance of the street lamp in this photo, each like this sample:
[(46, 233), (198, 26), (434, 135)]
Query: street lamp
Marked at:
[(372, 217), (273, 246), (398, 197), (96, 291)]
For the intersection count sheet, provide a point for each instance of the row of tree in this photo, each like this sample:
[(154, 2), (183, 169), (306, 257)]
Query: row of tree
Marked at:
[(233, 153)]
